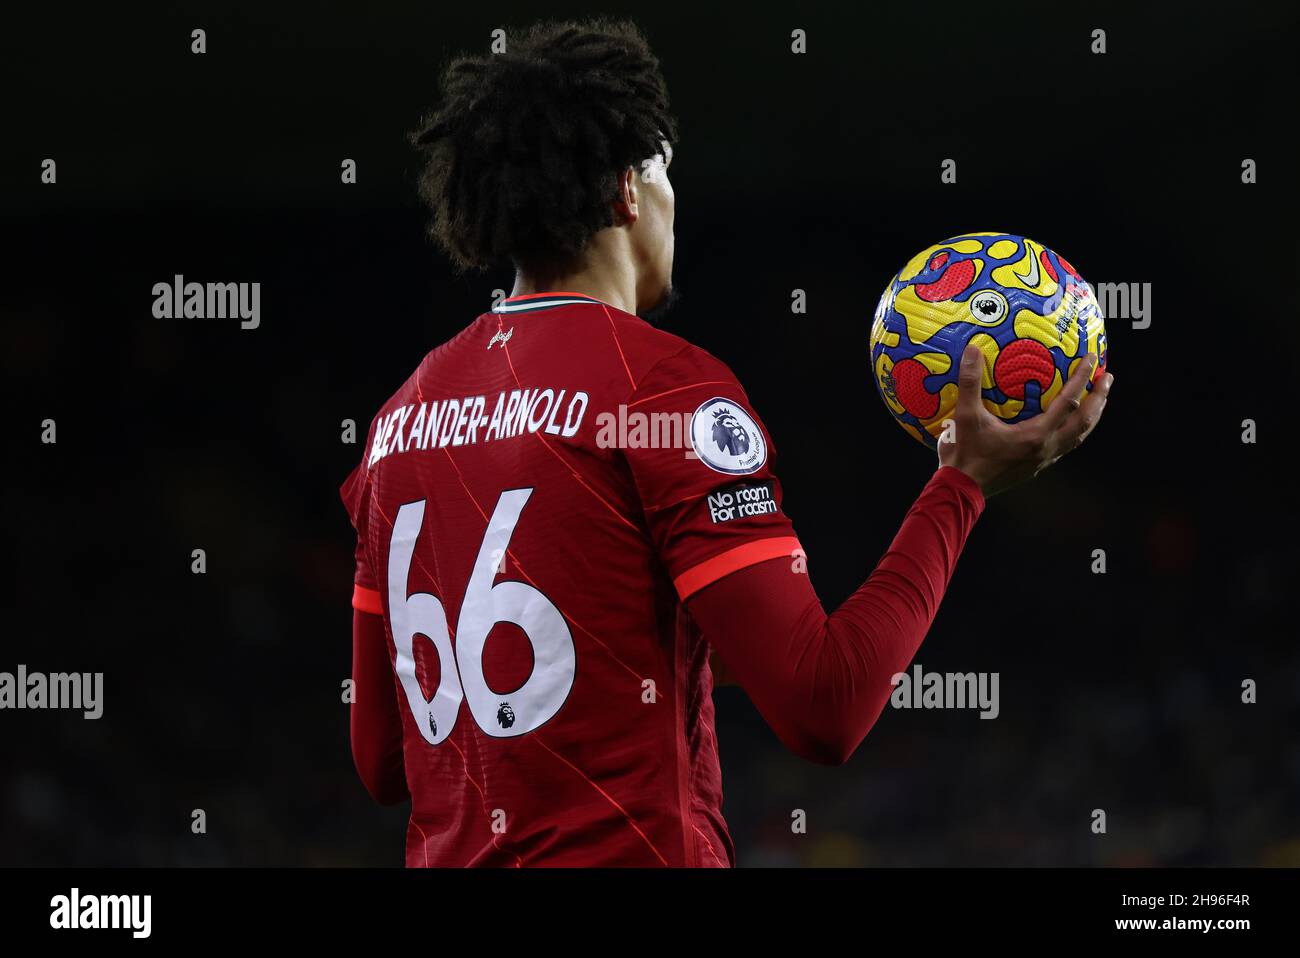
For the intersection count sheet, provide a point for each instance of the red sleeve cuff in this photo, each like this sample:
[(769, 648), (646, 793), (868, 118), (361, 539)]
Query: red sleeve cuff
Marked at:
[(955, 477), (750, 553), (366, 600)]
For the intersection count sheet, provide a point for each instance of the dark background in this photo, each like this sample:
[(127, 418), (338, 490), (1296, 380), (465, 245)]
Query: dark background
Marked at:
[(819, 172)]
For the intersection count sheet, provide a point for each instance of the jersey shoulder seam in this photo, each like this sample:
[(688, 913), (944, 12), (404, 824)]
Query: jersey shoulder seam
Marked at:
[(685, 347)]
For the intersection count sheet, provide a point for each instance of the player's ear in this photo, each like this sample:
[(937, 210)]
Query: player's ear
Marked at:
[(625, 203)]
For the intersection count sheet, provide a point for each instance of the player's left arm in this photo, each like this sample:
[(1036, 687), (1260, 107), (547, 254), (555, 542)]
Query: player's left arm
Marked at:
[(821, 681), (679, 490), (717, 521)]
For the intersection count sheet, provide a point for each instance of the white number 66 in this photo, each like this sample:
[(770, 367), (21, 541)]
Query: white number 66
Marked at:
[(500, 715)]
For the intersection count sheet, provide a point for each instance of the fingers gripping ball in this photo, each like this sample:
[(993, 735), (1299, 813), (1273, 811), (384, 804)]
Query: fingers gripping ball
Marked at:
[(1028, 311)]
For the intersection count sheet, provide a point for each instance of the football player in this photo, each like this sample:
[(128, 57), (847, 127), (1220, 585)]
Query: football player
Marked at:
[(564, 511)]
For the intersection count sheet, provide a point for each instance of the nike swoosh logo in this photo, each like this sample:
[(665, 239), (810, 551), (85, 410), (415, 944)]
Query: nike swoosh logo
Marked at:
[(1030, 279)]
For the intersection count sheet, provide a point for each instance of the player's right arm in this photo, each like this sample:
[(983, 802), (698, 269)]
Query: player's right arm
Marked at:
[(375, 719)]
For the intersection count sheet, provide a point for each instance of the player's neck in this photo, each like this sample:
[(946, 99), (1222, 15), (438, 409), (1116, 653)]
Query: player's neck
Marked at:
[(601, 274)]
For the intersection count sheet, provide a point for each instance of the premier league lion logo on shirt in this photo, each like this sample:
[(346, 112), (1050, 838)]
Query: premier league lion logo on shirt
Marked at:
[(727, 439), (731, 437), (505, 715)]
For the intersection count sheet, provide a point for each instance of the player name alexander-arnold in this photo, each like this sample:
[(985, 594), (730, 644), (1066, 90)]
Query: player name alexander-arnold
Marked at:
[(56, 690), (181, 300)]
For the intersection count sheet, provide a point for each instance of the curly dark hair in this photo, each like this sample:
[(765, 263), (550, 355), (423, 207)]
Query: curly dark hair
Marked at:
[(524, 154)]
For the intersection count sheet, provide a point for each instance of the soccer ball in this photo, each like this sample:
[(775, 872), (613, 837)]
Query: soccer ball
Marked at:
[(1027, 309)]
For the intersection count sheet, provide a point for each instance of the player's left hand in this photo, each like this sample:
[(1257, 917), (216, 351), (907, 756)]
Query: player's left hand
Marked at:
[(997, 455)]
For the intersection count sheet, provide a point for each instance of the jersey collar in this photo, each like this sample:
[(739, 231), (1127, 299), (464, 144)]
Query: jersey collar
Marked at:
[(532, 302)]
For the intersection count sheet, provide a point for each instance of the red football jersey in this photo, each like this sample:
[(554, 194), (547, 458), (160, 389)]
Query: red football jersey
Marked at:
[(534, 505)]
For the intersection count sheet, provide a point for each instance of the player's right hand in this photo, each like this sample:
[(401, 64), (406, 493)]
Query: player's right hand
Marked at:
[(998, 455)]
